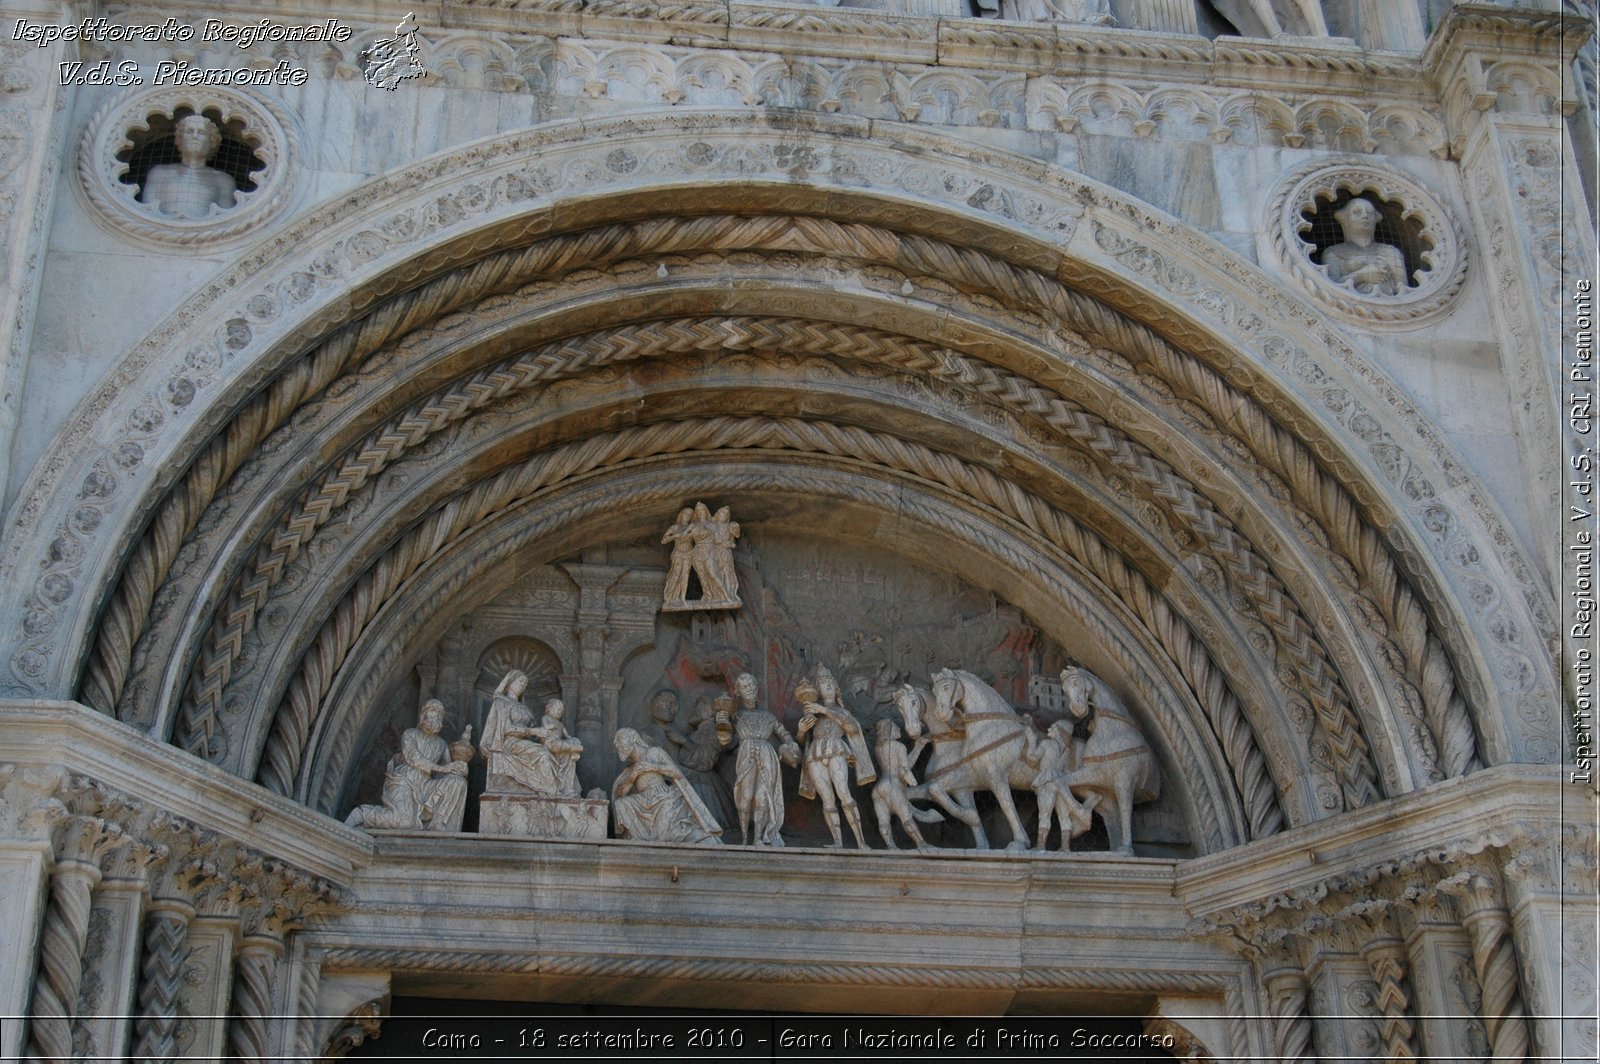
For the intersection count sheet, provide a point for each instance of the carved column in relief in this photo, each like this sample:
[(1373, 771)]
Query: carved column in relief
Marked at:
[(1493, 958), (33, 146), (284, 898), (111, 955), (595, 719), (1344, 997), (1442, 984), (1525, 195), (1385, 955), (1549, 880), (1284, 978), (162, 1026), (29, 807), (80, 844)]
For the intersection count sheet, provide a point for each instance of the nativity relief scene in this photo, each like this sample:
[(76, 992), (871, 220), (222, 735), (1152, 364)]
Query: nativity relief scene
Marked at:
[(763, 689)]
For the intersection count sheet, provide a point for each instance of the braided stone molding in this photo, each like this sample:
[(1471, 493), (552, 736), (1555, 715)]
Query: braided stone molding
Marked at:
[(556, 360), (285, 745), (1446, 260), (1327, 501), (651, 483), (161, 981), (83, 841), (273, 137), (1494, 958)]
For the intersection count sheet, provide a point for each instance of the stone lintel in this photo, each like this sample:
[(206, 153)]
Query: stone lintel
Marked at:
[(1466, 814)]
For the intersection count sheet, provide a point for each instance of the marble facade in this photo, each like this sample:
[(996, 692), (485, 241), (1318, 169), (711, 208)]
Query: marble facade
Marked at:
[(1011, 346)]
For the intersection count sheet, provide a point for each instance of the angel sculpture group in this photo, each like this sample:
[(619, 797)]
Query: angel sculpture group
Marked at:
[(1094, 759)]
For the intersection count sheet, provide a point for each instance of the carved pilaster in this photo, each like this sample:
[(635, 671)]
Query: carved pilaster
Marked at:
[(596, 714), (1550, 886), (1445, 993), (80, 844), (29, 811), (1502, 76)]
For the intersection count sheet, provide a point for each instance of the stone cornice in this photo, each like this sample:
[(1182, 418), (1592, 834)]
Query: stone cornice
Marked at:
[(1439, 824), (1046, 48), (1488, 58), (73, 738)]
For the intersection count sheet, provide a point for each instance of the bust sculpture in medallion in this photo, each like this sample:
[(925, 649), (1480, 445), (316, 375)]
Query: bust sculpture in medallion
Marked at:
[(190, 189)]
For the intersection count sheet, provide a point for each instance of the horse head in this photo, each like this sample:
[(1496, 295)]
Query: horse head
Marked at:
[(908, 700), (1082, 690), (948, 695)]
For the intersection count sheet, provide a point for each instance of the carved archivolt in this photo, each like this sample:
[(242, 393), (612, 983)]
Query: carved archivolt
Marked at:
[(447, 409), (1320, 503), (1442, 256), (271, 132)]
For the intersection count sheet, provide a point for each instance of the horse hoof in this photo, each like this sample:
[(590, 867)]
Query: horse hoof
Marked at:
[(1125, 851), (1017, 846)]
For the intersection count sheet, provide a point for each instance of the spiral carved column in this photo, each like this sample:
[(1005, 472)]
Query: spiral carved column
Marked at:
[(254, 970), (1291, 1020), (66, 928), (81, 843), (1495, 959)]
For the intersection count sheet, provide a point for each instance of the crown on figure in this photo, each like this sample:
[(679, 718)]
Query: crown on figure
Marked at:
[(806, 691)]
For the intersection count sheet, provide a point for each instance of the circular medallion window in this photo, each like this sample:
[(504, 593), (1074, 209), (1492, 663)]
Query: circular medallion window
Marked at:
[(188, 165), (1368, 242)]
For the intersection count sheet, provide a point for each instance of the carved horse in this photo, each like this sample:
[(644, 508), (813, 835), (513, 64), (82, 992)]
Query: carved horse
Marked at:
[(1115, 762), (978, 741)]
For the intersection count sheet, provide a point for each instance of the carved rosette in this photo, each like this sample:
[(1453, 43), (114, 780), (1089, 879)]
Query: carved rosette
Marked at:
[(273, 138), (1444, 256)]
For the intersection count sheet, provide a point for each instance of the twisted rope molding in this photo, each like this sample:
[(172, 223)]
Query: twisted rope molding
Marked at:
[(654, 339), (572, 964), (127, 615), (302, 704)]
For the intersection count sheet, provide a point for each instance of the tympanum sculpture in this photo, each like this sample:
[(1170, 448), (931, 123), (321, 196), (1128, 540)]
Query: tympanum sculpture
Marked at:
[(190, 189), (702, 544), (894, 776), (651, 800), (835, 743), (425, 785), (1115, 763), (758, 778), (532, 786)]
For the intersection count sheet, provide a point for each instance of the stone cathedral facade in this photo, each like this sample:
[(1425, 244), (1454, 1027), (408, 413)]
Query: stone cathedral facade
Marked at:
[(1234, 355)]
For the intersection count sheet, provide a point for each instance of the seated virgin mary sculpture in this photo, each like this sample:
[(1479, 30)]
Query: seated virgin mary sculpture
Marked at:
[(536, 756)]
